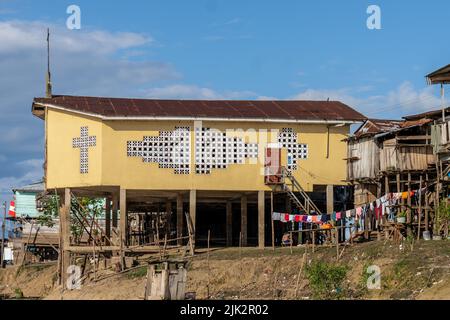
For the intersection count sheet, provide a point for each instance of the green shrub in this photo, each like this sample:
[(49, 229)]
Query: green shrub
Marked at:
[(137, 273), (326, 280)]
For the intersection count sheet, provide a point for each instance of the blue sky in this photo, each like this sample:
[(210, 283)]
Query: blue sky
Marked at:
[(214, 49)]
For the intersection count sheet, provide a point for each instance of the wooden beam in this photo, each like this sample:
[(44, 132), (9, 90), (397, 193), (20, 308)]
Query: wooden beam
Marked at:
[(229, 223), (261, 222), (244, 220)]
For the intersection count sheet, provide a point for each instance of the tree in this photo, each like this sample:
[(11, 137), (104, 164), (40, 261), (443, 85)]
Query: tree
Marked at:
[(81, 210)]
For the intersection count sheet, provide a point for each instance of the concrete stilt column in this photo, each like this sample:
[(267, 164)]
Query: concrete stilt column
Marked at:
[(261, 220), (244, 220), (193, 209), (330, 198)]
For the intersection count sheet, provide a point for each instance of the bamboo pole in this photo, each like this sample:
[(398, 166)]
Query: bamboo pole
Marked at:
[(209, 268), (420, 208), (337, 244), (271, 219)]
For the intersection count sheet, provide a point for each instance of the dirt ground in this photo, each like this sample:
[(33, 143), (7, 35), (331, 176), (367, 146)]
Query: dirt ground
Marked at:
[(418, 272)]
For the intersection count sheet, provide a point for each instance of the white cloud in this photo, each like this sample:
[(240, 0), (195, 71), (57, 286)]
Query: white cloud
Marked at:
[(21, 35), (181, 91), (32, 171), (404, 100)]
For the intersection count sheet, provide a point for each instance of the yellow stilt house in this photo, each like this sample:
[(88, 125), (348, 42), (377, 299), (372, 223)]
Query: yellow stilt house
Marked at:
[(206, 158)]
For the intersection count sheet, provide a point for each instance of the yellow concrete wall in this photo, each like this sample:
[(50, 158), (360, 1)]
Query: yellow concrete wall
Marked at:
[(109, 164)]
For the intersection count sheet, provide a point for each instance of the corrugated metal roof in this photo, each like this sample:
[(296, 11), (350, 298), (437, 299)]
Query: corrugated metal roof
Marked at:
[(32, 187), (439, 76), (141, 108), (434, 114), (374, 126)]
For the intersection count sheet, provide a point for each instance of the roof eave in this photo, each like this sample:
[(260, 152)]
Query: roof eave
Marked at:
[(155, 118)]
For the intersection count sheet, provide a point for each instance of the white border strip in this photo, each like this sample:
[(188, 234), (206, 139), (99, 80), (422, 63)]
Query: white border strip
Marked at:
[(198, 118)]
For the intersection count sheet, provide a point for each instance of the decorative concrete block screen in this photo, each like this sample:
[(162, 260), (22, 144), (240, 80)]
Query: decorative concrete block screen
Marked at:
[(288, 139), (214, 150), (170, 150), (84, 142)]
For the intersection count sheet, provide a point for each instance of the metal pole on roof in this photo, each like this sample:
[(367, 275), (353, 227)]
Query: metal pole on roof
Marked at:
[(3, 236), (443, 102)]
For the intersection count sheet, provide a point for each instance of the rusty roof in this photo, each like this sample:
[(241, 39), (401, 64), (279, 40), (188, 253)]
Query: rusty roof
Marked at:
[(439, 76), (375, 126), (434, 114), (111, 108)]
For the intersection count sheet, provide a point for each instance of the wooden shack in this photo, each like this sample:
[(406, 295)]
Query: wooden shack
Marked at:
[(408, 148)]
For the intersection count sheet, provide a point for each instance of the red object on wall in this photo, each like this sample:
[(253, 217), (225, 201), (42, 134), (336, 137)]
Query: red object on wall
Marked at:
[(272, 166), (12, 209)]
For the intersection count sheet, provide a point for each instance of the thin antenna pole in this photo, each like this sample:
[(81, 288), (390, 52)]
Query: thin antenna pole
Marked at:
[(48, 91), (443, 102)]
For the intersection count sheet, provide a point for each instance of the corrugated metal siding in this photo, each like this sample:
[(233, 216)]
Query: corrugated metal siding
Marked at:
[(26, 204), (364, 159)]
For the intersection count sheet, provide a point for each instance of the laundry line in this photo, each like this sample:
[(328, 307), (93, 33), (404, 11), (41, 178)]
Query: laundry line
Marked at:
[(380, 206)]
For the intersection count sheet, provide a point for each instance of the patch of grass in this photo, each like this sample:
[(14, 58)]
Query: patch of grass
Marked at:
[(18, 293), (137, 273), (326, 280)]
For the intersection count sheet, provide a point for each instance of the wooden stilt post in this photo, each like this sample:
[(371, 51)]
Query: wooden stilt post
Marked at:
[(180, 218), (123, 225), (408, 210), (400, 208), (193, 213), (108, 219), (419, 218), (427, 206), (65, 231), (261, 222), (229, 223), (244, 220), (387, 191)]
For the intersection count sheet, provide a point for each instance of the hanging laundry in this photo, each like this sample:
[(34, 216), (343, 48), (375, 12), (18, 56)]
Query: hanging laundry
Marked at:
[(338, 215), (359, 211), (276, 216), (348, 214)]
